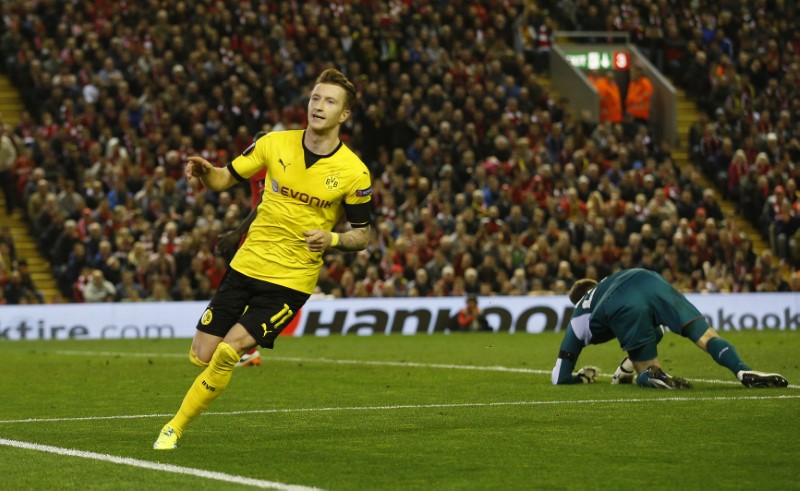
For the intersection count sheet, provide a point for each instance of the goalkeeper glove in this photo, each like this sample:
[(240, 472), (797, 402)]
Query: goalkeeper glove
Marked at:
[(624, 374), (588, 373)]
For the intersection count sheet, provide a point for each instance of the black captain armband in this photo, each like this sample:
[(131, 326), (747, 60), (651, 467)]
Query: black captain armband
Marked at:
[(234, 173), (566, 355), (359, 215)]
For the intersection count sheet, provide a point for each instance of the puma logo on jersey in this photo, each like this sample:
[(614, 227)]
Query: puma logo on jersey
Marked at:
[(280, 161)]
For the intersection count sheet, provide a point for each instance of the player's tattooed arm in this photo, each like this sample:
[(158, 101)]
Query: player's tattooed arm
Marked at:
[(353, 240), (350, 241)]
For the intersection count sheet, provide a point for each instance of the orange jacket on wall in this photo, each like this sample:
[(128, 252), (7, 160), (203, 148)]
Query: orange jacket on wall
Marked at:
[(610, 98), (637, 100)]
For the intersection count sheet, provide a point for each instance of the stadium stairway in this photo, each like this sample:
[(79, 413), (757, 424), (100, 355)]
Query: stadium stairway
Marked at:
[(11, 108), (688, 114), (26, 248)]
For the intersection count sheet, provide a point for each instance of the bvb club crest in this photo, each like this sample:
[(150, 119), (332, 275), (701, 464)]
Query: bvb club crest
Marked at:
[(332, 182), (207, 316)]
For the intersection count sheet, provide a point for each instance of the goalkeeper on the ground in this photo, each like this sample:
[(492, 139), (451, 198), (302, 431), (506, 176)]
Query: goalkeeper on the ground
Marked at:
[(634, 306)]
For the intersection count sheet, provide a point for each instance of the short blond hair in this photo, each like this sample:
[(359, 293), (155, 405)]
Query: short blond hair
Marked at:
[(333, 76)]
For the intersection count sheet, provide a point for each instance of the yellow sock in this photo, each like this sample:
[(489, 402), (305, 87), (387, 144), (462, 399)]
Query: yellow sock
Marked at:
[(206, 387), (195, 360)]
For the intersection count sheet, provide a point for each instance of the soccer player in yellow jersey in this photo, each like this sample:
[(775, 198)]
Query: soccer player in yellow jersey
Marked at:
[(312, 178)]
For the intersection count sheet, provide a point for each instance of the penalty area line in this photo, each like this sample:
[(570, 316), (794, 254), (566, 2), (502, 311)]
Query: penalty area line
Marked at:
[(156, 466), (418, 406)]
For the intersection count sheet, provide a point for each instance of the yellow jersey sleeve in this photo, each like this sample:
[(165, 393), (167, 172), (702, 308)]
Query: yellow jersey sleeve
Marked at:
[(253, 159)]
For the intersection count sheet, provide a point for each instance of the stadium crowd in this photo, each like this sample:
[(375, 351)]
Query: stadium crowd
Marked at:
[(483, 181)]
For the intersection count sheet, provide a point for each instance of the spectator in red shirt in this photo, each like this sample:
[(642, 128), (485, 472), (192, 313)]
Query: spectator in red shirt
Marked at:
[(470, 318)]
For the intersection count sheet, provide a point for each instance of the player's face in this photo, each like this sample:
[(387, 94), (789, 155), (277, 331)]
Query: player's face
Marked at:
[(326, 107)]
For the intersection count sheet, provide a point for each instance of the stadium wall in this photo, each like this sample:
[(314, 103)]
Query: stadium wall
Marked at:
[(368, 316)]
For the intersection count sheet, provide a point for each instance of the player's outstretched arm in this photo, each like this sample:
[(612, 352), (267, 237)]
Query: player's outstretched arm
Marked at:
[(571, 348), (214, 178)]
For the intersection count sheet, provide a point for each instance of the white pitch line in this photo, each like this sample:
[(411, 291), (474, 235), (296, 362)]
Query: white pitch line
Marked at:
[(318, 360), (495, 368), (413, 364), (156, 466), (417, 406)]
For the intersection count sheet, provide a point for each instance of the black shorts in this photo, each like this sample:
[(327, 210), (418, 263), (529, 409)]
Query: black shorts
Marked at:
[(263, 308)]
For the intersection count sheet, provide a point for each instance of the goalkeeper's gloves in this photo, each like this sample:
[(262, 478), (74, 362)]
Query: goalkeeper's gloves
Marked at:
[(588, 373), (625, 373)]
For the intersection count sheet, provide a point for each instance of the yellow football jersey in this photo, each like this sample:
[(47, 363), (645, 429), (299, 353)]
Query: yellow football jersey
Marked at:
[(295, 199)]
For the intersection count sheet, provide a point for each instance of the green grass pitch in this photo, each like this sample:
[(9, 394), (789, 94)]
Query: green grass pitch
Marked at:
[(443, 412)]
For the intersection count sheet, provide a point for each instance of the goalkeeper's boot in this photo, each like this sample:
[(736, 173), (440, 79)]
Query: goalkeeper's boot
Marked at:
[(625, 373), (250, 359), (656, 378), (750, 378), (167, 439)]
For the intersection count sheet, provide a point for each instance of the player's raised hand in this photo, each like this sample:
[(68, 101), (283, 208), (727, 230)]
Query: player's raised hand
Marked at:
[(197, 166)]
